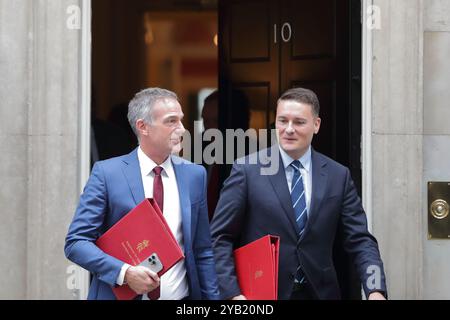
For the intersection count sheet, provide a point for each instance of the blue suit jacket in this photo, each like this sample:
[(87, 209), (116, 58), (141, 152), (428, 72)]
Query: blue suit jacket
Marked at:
[(252, 205), (113, 189)]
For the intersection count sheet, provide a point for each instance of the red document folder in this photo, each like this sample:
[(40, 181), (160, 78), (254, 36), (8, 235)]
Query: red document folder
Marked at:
[(257, 268), (136, 236)]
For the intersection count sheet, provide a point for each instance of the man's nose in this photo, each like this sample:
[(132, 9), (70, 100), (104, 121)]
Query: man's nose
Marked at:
[(181, 128), (289, 128)]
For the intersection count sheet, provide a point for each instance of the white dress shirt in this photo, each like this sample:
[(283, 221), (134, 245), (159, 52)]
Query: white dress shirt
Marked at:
[(174, 284), (306, 172)]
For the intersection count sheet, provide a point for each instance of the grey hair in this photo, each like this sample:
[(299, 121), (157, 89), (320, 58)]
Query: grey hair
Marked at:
[(141, 106)]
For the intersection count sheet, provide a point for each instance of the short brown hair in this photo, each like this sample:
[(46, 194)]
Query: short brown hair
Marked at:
[(302, 95)]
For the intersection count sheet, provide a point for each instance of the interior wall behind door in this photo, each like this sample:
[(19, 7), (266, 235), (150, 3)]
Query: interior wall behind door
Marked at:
[(148, 43)]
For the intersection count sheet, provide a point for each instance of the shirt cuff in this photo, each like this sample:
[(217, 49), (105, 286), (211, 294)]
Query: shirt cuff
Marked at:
[(121, 277)]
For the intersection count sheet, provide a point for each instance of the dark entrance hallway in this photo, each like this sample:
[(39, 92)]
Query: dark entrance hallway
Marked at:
[(264, 47)]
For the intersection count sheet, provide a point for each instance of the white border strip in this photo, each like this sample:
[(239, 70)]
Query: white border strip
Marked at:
[(366, 139), (85, 120), (366, 115)]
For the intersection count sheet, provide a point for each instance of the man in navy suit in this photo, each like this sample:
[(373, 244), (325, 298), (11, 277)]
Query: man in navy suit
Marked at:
[(302, 197), (117, 185)]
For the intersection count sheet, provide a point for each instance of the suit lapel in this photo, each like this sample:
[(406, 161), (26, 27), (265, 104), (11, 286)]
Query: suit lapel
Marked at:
[(281, 189), (319, 184), (132, 172), (185, 201)]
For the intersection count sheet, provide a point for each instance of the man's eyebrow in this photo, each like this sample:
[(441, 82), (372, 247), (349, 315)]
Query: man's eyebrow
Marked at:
[(171, 116), (296, 118)]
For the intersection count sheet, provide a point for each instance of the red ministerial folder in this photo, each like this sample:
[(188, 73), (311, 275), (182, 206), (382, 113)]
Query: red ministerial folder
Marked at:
[(136, 236), (257, 268)]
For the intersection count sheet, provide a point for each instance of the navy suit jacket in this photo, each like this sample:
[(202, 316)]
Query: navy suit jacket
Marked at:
[(113, 189), (253, 205)]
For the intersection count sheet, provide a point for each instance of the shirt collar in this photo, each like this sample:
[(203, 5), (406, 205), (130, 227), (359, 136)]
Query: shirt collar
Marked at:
[(147, 165), (305, 160)]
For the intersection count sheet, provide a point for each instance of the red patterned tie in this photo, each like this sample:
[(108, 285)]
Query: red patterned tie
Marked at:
[(158, 195), (158, 190)]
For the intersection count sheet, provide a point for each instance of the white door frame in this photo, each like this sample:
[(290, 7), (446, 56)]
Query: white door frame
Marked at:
[(366, 121), (85, 121), (85, 116)]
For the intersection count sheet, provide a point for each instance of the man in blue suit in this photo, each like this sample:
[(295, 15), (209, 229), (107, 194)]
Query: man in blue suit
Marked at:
[(303, 197), (117, 185)]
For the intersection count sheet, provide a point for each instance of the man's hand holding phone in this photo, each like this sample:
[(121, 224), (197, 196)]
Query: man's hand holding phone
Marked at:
[(144, 278)]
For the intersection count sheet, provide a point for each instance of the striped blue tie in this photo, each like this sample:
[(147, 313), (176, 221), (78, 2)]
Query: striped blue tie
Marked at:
[(298, 198)]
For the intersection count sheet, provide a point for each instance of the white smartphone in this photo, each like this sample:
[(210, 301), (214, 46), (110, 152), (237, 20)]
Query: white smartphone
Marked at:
[(153, 263)]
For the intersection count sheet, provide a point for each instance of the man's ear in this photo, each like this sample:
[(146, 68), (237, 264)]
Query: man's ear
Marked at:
[(141, 127), (317, 122)]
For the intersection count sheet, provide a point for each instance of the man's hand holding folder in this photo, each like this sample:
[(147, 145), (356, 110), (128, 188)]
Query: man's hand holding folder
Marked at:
[(257, 269), (140, 234)]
